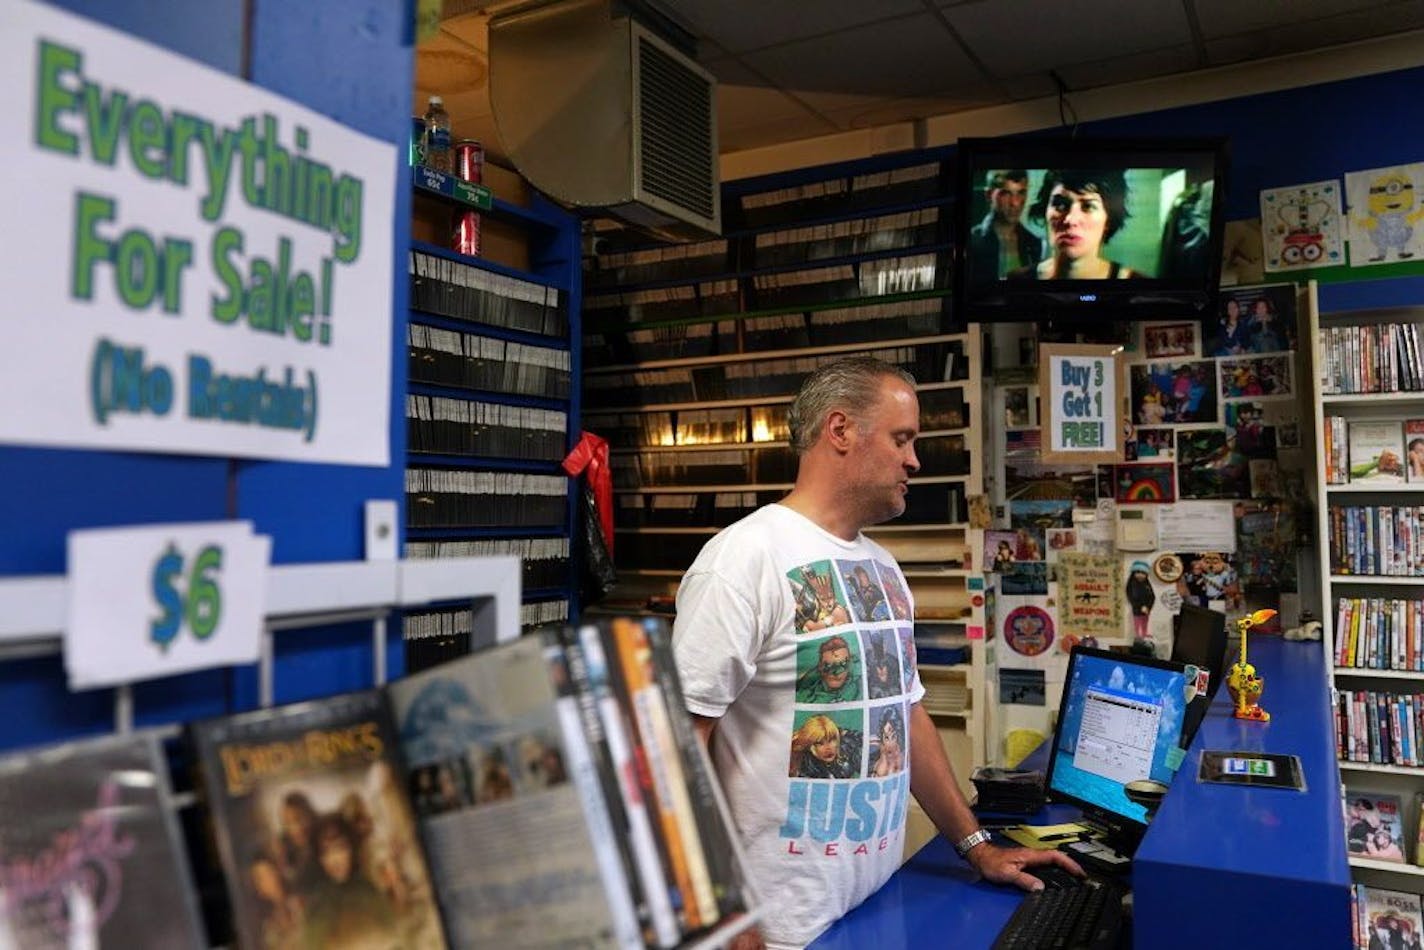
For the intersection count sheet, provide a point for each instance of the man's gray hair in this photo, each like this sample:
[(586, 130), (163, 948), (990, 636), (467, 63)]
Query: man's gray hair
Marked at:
[(851, 384)]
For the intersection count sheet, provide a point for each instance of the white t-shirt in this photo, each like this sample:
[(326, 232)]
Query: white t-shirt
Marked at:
[(802, 644)]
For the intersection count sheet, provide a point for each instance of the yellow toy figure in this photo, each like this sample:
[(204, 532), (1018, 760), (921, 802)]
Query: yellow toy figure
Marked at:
[(1243, 682)]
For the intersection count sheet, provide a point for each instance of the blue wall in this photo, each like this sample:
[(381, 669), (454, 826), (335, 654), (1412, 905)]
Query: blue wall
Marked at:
[(350, 60), (1310, 134)]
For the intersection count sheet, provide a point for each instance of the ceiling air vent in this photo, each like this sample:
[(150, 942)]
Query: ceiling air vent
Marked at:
[(600, 113)]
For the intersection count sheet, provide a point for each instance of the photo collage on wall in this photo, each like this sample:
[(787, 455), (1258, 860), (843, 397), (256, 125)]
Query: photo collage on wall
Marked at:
[(1200, 509), (1222, 414)]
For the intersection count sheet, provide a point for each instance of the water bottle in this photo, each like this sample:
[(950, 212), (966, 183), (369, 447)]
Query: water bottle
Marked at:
[(437, 136)]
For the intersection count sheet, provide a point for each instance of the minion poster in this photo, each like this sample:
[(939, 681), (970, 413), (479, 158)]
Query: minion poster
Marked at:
[(1089, 595), (1386, 209)]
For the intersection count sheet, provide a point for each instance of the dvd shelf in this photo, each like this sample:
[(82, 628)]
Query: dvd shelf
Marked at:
[(491, 408), (690, 372), (470, 361), (1367, 378)]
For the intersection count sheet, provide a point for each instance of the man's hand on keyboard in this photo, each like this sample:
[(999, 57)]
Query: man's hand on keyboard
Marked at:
[(1006, 865)]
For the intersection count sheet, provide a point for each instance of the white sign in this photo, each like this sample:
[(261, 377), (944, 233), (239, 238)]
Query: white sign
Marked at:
[(1080, 387), (193, 264), (1197, 526), (157, 600)]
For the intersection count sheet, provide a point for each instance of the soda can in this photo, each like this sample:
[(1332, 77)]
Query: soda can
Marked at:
[(466, 237), (469, 160), (417, 140)]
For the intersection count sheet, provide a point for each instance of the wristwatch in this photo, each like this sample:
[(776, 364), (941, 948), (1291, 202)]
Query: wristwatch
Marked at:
[(964, 846)]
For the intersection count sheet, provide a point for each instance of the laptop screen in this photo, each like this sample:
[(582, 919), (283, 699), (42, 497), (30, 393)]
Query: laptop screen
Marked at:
[(1120, 721)]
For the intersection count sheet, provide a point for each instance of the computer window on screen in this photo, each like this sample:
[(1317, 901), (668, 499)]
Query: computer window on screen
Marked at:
[(1117, 735)]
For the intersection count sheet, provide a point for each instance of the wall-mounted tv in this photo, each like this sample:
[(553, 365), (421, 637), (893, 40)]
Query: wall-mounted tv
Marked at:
[(1083, 229)]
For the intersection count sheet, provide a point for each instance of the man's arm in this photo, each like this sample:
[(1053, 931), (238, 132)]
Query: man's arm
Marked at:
[(933, 784), (705, 725)]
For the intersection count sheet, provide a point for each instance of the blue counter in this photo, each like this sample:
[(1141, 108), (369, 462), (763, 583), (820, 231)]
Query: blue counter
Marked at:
[(1213, 855), (1279, 855)]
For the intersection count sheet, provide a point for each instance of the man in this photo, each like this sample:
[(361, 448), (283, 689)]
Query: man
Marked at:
[(999, 244), (816, 847)]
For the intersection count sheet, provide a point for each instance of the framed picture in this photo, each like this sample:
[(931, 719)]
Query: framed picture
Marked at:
[(1082, 390), (1160, 340)]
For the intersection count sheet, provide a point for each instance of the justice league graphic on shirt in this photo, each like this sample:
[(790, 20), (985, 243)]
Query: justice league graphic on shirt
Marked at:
[(867, 599), (819, 601), (849, 750), (800, 644)]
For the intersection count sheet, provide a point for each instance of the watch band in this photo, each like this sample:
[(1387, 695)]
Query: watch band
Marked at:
[(970, 842)]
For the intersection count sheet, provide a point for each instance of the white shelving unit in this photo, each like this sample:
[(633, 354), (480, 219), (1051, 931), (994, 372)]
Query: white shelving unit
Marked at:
[(1405, 781)]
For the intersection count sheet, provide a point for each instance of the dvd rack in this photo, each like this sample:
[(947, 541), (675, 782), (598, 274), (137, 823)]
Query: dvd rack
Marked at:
[(470, 361), (857, 236), (1367, 378), (1380, 633), (302, 601), (699, 259), (464, 289), (928, 359), (436, 424), (939, 409), (452, 499), (848, 195), (491, 411), (691, 370)]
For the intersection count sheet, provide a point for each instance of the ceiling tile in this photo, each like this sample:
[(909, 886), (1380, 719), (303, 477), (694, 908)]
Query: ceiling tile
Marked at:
[(1314, 34), (888, 111), (741, 25), (896, 58), (1029, 86), (1220, 18), (1131, 68), (734, 72), (773, 133), (740, 106), (1015, 37)]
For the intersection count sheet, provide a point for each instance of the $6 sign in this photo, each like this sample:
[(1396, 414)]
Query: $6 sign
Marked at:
[(156, 600), (201, 609)]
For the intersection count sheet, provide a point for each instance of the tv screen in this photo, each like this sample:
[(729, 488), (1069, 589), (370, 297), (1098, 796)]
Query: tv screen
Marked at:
[(1098, 229)]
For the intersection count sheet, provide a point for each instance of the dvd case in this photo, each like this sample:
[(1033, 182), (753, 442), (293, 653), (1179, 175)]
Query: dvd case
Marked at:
[(510, 805), (92, 852), (314, 828)]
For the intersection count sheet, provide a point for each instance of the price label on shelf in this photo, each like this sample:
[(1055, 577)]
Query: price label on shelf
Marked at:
[(157, 600)]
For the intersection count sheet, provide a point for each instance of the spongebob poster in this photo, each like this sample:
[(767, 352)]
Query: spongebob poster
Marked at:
[(1300, 226), (1386, 213)]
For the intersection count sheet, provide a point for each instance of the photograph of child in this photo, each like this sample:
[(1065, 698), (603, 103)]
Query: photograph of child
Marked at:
[(1254, 439), (1168, 393), (1260, 376)]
